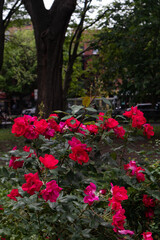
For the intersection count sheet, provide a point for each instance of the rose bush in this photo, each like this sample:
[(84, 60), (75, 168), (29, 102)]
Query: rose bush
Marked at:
[(65, 186)]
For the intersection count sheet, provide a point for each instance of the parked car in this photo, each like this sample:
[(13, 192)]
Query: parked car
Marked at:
[(29, 111)]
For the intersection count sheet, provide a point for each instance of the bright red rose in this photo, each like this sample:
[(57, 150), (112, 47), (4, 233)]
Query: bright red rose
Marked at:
[(33, 184), (138, 121), (31, 133), (92, 128), (140, 175), (119, 132), (100, 116), (115, 205), (51, 192), (110, 123), (118, 220), (119, 193), (13, 194), (132, 112), (49, 161), (73, 123), (148, 130), (19, 127), (79, 155), (41, 126), (26, 148), (54, 125)]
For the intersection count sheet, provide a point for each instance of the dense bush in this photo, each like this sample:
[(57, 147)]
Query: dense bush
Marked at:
[(67, 184)]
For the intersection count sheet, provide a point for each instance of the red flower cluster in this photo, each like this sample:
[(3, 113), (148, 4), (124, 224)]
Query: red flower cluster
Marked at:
[(51, 192), (31, 127), (49, 161), (13, 194), (139, 121), (79, 151), (33, 184), (119, 194), (111, 123), (149, 203), (90, 192), (132, 169)]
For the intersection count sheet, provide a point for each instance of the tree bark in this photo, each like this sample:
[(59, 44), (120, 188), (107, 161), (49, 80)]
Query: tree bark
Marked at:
[(50, 27)]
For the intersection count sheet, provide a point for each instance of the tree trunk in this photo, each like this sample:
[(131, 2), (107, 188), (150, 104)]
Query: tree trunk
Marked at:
[(1, 34), (50, 27), (1, 45)]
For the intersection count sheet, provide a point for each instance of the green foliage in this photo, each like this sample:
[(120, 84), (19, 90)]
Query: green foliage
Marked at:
[(129, 47), (19, 68)]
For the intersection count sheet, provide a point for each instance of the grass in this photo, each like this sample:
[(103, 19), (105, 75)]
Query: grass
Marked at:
[(8, 141)]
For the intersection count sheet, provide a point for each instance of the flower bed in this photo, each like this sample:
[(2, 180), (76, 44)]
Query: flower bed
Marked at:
[(63, 187)]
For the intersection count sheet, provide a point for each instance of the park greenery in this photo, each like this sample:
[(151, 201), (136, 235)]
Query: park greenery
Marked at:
[(125, 35), (79, 174), (67, 184)]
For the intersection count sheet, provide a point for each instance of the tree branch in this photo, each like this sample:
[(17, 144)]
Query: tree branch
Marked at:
[(78, 31), (11, 12)]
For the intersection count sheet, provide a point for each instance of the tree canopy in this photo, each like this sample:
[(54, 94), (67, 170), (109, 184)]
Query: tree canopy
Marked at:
[(130, 43)]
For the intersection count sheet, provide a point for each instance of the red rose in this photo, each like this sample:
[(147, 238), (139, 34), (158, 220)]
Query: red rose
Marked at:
[(13, 194), (92, 128), (19, 126), (41, 126), (49, 161), (32, 183), (148, 130), (110, 123), (79, 154), (119, 193), (118, 220), (73, 123), (119, 132)]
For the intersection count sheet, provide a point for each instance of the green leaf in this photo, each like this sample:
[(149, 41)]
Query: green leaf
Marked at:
[(107, 101), (90, 109), (76, 108)]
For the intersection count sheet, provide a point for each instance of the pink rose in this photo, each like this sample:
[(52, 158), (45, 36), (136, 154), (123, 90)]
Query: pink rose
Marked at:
[(90, 192), (147, 236)]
